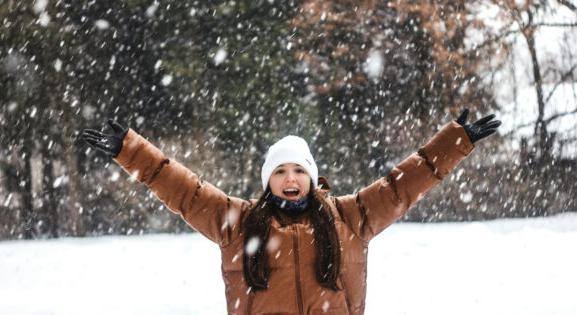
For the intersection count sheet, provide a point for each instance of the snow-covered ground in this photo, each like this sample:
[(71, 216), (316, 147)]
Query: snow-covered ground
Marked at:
[(521, 266)]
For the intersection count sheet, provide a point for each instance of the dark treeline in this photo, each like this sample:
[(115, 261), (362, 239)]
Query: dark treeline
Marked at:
[(214, 83)]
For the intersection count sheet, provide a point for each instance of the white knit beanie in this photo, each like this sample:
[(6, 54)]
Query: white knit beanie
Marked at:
[(290, 149)]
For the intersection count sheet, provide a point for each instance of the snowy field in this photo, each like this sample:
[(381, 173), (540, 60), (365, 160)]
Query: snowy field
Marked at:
[(525, 266)]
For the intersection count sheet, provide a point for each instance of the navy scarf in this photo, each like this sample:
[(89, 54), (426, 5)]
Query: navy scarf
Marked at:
[(289, 207)]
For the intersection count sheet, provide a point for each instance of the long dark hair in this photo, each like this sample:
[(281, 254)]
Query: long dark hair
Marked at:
[(257, 224)]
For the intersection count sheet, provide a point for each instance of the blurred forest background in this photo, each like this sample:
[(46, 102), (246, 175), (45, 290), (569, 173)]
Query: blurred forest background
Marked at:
[(214, 83)]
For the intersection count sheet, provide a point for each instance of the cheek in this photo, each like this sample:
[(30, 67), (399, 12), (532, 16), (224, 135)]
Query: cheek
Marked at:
[(305, 183), (274, 183)]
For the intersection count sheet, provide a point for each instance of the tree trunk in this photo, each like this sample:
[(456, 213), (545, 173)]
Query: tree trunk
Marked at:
[(25, 182), (76, 219), (540, 126), (50, 211), (545, 146)]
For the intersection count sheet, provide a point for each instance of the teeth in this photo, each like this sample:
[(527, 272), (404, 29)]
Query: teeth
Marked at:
[(291, 190)]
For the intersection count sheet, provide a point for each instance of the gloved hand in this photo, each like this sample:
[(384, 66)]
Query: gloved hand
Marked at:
[(110, 144), (480, 129)]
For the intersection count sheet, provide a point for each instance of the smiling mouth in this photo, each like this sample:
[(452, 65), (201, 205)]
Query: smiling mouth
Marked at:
[(291, 192)]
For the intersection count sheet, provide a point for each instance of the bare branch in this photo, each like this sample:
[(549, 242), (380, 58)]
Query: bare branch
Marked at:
[(494, 39), (568, 140), (568, 4), (546, 121), (559, 115), (563, 78), (556, 24), (511, 132)]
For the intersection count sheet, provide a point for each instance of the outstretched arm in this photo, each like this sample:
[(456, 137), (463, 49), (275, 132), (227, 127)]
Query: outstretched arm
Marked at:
[(204, 207), (380, 204)]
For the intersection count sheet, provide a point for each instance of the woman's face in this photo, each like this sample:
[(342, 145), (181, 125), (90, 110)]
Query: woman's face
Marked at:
[(290, 181)]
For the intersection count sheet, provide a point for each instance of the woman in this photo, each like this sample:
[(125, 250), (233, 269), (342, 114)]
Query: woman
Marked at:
[(297, 249)]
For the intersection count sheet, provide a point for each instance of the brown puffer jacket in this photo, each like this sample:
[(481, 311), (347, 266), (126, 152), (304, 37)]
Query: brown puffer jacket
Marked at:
[(293, 288)]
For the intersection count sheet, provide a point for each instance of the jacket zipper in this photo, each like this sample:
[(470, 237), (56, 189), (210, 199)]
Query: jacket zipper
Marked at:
[(297, 269)]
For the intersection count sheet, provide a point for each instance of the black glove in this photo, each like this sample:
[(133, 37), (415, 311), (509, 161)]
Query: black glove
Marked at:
[(109, 144), (481, 128)]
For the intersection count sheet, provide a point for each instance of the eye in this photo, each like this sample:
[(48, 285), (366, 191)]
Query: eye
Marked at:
[(300, 170), (279, 171)]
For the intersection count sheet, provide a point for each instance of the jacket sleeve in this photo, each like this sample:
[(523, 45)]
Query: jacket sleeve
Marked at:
[(378, 205), (204, 207)]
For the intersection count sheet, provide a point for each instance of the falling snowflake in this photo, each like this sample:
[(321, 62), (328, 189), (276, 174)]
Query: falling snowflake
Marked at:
[(114, 177), (44, 19), (40, 6), (252, 245), (273, 244), (374, 64), (220, 56), (57, 65), (466, 196), (326, 306), (166, 80), (151, 10), (102, 24)]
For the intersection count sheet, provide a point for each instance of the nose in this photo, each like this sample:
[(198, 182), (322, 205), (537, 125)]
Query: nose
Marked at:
[(290, 177)]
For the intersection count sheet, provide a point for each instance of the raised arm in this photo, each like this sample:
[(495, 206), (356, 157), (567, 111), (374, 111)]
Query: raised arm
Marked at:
[(375, 207), (204, 207)]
